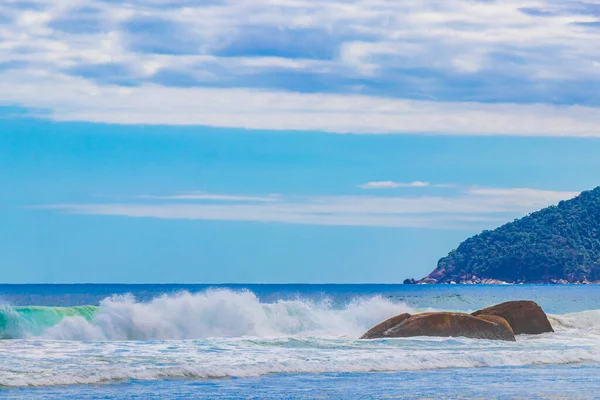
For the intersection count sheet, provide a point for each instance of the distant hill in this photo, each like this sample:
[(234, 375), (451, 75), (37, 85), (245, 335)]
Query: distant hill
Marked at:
[(559, 244)]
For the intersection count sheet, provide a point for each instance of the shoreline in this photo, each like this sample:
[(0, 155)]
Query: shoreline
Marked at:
[(490, 281)]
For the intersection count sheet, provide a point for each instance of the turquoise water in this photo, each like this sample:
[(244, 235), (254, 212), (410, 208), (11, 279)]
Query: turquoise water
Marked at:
[(284, 341)]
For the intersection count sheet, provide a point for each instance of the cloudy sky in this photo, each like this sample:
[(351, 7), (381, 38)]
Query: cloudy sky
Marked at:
[(287, 140)]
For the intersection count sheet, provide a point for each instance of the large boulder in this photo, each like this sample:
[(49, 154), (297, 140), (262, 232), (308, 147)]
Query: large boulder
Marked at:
[(523, 316), (378, 331), (445, 324)]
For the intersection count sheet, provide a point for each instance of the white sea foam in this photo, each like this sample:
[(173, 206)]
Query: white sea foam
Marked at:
[(588, 321), (222, 313), (224, 333), (47, 363)]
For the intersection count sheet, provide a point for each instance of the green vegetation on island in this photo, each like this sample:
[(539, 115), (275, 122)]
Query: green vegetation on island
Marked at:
[(559, 244)]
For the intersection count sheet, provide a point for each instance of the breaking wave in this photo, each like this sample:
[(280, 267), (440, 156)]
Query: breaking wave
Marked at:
[(225, 333), (214, 313), (219, 313), (583, 321), (245, 360)]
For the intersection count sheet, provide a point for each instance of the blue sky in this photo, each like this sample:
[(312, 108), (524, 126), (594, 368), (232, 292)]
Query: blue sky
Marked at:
[(329, 141)]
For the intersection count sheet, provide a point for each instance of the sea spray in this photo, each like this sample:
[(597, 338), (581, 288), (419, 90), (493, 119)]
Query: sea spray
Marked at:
[(213, 313), (228, 333), (583, 321), (220, 313)]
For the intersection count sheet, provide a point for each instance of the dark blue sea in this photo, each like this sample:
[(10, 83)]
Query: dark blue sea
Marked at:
[(285, 341)]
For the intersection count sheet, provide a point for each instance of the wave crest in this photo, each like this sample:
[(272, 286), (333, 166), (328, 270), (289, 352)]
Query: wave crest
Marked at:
[(220, 313), (214, 313), (588, 321)]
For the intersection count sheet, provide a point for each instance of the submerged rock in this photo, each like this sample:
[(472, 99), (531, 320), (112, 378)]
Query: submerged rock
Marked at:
[(523, 316), (444, 324)]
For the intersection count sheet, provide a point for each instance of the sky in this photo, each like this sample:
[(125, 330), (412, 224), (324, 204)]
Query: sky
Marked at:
[(284, 141)]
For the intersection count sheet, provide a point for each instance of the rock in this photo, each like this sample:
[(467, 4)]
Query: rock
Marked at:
[(498, 320), (427, 281), (378, 331), (410, 281), (523, 316), (493, 282), (443, 324)]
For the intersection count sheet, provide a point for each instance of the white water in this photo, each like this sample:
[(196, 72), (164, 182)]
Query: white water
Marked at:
[(222, 333), (222, 313)]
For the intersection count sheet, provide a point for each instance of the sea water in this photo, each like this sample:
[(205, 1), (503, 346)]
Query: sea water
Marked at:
[(285, 341)]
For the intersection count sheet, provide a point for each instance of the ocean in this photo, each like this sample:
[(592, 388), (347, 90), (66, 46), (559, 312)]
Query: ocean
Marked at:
[(285, 341)]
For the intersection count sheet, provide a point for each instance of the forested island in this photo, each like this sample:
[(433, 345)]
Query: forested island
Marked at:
[(558, 244)]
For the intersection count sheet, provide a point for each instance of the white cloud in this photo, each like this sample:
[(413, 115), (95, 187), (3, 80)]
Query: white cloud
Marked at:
[(76, 99), (474, 209), (527, 197), (392, 184), (74, 58), (215, 197)]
